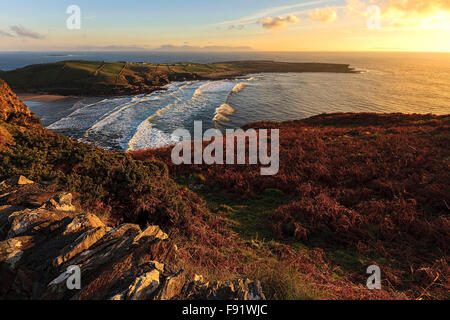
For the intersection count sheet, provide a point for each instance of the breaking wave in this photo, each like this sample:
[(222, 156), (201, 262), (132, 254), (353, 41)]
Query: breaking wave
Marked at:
[(147, 137), (239, 87), (223, 112), (212, 87), (114, 114)]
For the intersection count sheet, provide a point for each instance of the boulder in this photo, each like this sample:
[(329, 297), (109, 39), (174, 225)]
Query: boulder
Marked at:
[(151, 232), (15, 181), (81, 222), (60, 202), (126, 229), (172, 287), (81, 244), (144, 286), (29, 221)]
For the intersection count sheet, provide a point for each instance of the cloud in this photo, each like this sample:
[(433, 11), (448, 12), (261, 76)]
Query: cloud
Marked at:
[(357, 6), (401, 7), (238, 27), (5, 34), (407, 14), (326, 14), (278, 22), (419, 6), (420, 14), (23, 32)]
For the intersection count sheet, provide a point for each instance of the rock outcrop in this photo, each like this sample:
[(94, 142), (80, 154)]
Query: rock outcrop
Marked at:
[(42, 245), (60, 202), (15, 181), (10, 105)]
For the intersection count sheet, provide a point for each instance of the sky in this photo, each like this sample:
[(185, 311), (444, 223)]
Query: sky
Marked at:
[(230, 25)]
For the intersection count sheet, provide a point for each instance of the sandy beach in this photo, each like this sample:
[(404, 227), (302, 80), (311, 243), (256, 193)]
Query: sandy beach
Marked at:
[(41, 97), (50, 108)]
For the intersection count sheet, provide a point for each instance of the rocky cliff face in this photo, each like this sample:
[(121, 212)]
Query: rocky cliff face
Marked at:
[(43, 237), (9, 103)]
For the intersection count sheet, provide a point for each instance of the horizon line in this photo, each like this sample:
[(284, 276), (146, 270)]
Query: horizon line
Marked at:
[(228, 51)]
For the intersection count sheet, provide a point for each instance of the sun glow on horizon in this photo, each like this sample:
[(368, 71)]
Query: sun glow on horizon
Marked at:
[(293, 25)]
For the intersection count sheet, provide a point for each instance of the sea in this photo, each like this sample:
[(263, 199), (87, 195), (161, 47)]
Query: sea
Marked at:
[(385, 83)]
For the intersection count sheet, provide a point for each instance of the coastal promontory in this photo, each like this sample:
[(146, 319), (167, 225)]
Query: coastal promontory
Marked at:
[(97, 78)]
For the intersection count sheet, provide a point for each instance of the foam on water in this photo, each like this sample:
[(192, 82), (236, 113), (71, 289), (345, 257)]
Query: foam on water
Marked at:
[(148, 137), (125, 125), (126, 122), (222, 112), (204, 97), (239, 87), (117, 128), (212, 87), (86, 115), (115, 113)]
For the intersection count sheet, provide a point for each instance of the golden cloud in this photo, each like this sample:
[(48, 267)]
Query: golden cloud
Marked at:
[(400, 14), (422, 14), (419, 6), (326, 14), (279, 22)]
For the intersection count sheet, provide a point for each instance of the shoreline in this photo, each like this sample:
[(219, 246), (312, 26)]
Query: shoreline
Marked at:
[(42, 97)]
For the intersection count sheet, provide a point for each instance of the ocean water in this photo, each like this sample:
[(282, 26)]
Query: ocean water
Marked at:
[(387, 82)]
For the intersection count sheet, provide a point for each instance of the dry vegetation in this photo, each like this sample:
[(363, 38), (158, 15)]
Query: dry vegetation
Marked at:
[(363, 188)]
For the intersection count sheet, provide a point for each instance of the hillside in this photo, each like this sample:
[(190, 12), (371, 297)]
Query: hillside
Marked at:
[(363, 188), (353, 190), (90, 78)]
